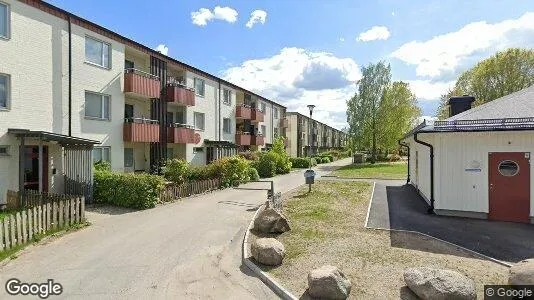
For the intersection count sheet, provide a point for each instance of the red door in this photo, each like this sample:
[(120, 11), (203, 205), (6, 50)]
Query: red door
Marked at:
[(509, 186)]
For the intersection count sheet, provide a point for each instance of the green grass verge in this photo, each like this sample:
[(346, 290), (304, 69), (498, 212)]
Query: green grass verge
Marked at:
[(396, 170)]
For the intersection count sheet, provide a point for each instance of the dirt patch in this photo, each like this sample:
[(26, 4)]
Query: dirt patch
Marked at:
[(327, 228)]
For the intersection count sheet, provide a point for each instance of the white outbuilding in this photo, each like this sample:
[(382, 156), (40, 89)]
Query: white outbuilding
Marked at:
[(476, 163)]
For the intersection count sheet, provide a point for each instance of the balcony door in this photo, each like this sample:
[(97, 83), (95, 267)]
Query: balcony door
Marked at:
[(31, 168), (128, 112)]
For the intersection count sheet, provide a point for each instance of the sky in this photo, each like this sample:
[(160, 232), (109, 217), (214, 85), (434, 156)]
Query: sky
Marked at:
[(300, 52)]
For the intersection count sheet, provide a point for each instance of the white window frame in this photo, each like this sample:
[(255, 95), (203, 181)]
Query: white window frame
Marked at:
[(203, 87), (8, 21), (195, 114), (8, 91), (227, 100), (102, 97), (102, 148), (109, 53), (133, 157), (263, 130), (275, 112), (7, 150), (229, 131)]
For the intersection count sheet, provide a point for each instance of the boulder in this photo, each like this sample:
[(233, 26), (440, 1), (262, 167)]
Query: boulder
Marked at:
[(522, 273), (271, 221), (428, 283), (328, 282), (268, 251)]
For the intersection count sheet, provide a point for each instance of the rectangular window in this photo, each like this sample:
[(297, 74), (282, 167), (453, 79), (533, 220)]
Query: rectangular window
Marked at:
[(170, 153), (275, 112), (170, 117), (101, 154), (97, 52), (128, 64), (263, 130), (198, 149), (128, 157), (4, 20), (263, 106), (227, 97), (227, 125), (180, 117), (4, 150), (97, 106), (199, 121), (276, 132), (128, 112), (4, 91), (200, 87)]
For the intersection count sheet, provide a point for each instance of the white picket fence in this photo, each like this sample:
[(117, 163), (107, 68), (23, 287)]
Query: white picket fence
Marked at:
[(21, 227)]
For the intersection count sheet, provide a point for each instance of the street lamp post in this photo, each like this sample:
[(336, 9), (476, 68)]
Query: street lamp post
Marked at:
[(310, 136)]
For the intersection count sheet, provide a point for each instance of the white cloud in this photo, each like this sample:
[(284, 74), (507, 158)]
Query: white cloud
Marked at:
[(447, 52), (257, 16), (296, 77), (393, 13), (375, 33), (427, 90), (342, 39), (204, 15), (162, 49)]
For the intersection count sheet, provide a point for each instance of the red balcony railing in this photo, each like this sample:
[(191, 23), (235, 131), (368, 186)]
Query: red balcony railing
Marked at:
[(180, 94), (140, 131), (257, 115), (141, 83), (257, 140), (284, 122), (243, 112), (243, 139), (180, 134)]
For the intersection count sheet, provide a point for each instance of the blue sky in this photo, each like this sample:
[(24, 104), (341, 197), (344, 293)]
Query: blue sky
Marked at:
[(307, 51)]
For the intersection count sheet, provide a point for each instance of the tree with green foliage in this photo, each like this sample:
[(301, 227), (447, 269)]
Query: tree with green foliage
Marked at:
[(501, 74)]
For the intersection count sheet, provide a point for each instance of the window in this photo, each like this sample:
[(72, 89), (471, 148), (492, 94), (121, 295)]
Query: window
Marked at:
[(128, 112), (263, 107), (128, 64), (263, 130), (4, 91), (200, 86), (198, 149), (4, 20), (96, 106), (199, 121), (508, 168), (227, 125), (180, 117), (227, 97), (101, 154), (97, 52), (170, 117), (4, 150), (128, 157), (276, 132), (170, 153), (275, 112)]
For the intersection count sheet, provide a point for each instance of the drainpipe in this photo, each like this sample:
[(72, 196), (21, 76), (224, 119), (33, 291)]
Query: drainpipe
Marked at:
[(407, 147), (431, 209), (217, 149), (70, 77)]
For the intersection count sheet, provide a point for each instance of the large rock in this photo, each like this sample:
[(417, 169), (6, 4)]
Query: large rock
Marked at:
[(438, 284), (268, 251), (328, 282), (522, 273), (271, 221)]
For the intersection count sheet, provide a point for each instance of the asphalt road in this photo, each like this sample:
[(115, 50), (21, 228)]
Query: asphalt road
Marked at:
[(185, 250)]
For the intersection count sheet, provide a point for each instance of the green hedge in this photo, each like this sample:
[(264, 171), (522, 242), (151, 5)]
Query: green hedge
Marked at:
[(300, 162), (266, 165), (253, 174), (139, 191)]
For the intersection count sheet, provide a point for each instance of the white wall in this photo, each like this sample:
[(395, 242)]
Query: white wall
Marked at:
[(421, 178)]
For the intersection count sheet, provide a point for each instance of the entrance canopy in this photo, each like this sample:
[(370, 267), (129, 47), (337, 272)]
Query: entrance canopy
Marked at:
[(63, 140)]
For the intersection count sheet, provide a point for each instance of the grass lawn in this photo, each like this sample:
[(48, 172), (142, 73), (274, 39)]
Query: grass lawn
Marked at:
[(328, 228), (394, 170)]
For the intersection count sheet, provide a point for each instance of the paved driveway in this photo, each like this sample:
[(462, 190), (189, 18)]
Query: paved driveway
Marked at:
[(399, 206), (184, 250)]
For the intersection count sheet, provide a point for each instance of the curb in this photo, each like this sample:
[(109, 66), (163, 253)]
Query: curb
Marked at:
[(268, 280)]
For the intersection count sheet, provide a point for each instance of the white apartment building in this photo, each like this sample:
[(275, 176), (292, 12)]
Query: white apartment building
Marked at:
[(73, 92)]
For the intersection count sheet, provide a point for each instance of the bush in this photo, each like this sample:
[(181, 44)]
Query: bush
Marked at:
[(201, 173), (249, 155), (176, 170), (139, 191), (266, 165), (300, 162), (253, 174), (326, 159), (232, 170), (102, 166), (283, 162), (394, 157)]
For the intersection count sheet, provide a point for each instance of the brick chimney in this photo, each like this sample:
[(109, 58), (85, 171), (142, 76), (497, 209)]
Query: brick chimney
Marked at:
[(459, 104)]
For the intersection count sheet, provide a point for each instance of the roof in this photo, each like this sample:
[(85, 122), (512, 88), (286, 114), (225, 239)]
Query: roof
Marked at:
[(299, 114), (61, 13), (52, 137)]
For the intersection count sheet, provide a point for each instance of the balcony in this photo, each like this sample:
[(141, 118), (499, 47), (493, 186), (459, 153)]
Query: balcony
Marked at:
[(243, 112), (284, 122), (257, 116), (243, 139), (141, 83), (257, 140), (181, 134), (180, 94), (140, 130)]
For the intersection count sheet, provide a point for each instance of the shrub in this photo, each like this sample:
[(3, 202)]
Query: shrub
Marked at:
[(176, 171), (139, 191), (102, 166), (300, 162), (266, 165), (232, 170), (394, 157), (201, 173), (283, 162), (249, 155), (326, 159), (253, 174)]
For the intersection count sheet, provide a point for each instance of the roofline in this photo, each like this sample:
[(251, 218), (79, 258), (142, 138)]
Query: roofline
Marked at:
[(61, 13), (297, 113), (55, 136)]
